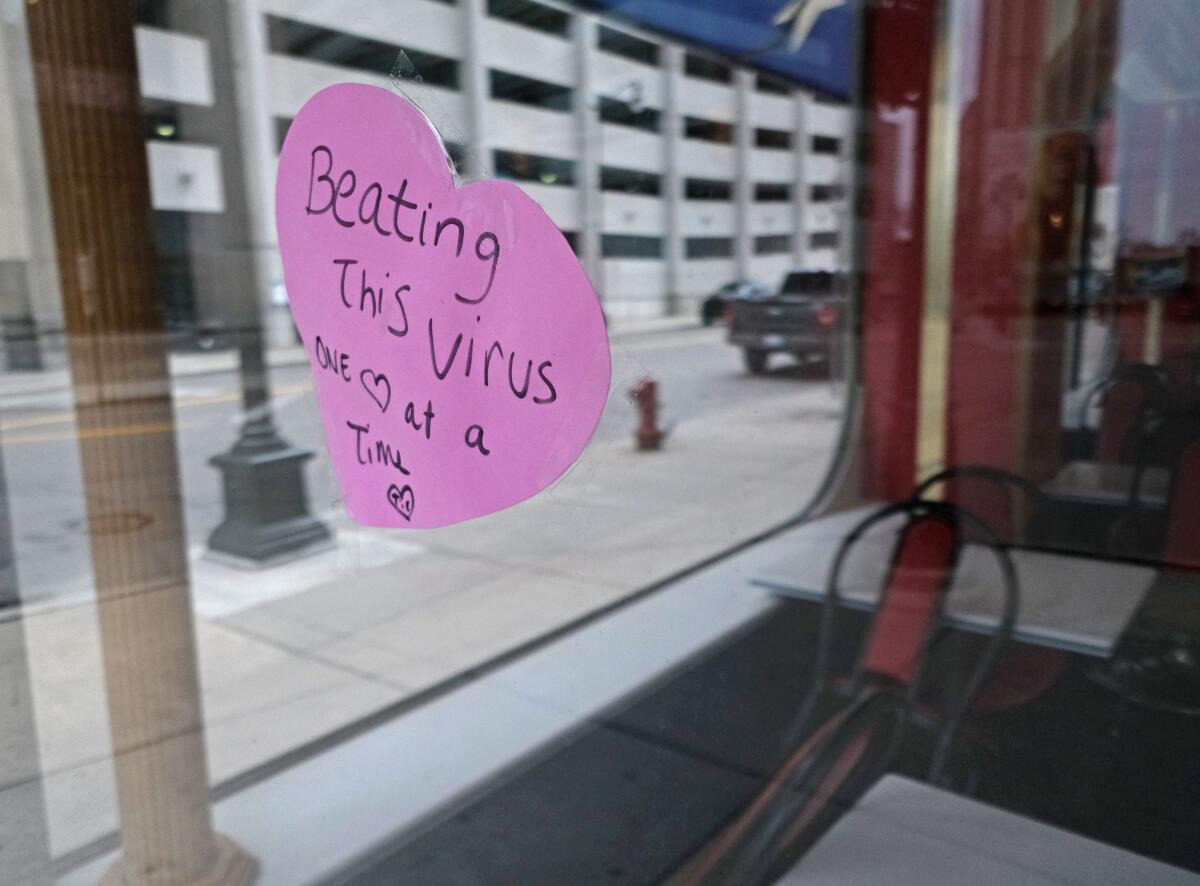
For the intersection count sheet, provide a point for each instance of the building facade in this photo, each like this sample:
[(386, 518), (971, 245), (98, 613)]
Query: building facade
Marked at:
[(669, 171)]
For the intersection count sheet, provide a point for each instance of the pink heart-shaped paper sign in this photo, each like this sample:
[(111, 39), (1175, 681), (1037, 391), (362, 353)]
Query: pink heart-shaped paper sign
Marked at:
[(458, 351)]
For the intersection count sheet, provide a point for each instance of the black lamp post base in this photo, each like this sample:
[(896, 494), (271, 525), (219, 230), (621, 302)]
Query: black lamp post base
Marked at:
[(266, 509)]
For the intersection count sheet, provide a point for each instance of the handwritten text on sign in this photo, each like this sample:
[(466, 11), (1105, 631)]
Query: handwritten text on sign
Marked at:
[(458, 350)]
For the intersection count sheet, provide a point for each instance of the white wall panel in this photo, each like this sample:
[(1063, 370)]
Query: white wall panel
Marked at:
[(771, 218), (704, 98), (823, 119), (560, 203), (633, 214), (708, 218), (822, 168), (185, 177), (612, 74), (629, 148), (772, 166), (820, 217), (702, 276), (821, 260), (173, 67), (770, 268), (515, 127), (772, 111), (521, 50), (634, 279), (700, 159)]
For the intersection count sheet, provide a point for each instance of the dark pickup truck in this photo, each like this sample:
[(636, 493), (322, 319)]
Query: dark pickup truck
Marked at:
[(803, 319)]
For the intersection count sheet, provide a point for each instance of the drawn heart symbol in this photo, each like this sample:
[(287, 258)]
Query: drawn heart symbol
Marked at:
[(458, 351), (371, 382), (402, 500)]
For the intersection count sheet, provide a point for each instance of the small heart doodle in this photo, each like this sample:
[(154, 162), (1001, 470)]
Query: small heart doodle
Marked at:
[(377, 380), (401, 498)]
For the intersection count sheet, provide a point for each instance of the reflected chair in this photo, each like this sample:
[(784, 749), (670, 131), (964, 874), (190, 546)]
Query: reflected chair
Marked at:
[(906, 630), (1132, 400), (834, 764), (994, 495), (1144, 533), (1182, 373), (815, 785), (1156, 664), (991, 494)]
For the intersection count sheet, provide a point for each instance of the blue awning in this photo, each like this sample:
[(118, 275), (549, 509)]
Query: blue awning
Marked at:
[(743, 29)]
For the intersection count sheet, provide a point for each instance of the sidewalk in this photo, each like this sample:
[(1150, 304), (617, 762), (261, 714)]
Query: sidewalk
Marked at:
[(289, 654)]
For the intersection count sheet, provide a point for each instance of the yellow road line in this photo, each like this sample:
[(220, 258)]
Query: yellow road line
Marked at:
[(160, 427), (38, 421)]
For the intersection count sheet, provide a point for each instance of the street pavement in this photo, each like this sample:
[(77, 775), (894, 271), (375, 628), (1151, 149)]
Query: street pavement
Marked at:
[(292, 652)]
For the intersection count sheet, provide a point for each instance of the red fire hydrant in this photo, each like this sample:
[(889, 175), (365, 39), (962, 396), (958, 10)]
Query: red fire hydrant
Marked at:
[(648, 435)]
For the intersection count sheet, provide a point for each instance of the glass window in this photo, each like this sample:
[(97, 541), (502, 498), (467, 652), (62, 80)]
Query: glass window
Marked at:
[(824, 193), (162, 122), (707, 189), (708, 247), (626, 45), (621, 114), (458, 155), (528, 91), (880, 560), (533, 168), (531, 15), (773, 85), (825, 144), (282, 125), (776, 139), (772, 192), (150, 12), (705, 68), (303, 40), (708, 130), (631, 246), (630, 181), (175, 269), (772, 244)]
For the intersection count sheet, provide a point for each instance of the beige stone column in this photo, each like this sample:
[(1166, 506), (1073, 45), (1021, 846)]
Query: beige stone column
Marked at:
[(85, 72), (588, 136), (672, 132)]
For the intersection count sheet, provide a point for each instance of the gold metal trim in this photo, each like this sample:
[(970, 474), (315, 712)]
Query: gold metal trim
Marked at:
[(940, 196)]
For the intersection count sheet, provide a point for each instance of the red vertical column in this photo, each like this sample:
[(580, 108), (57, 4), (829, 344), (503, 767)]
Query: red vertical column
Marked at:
[(993, 191), (899, 44), (1180, 334)]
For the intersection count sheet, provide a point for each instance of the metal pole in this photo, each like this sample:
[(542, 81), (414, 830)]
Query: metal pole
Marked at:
[(266, 507)]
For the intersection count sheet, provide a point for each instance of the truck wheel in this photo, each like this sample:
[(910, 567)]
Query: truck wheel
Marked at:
[(756, 360)]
